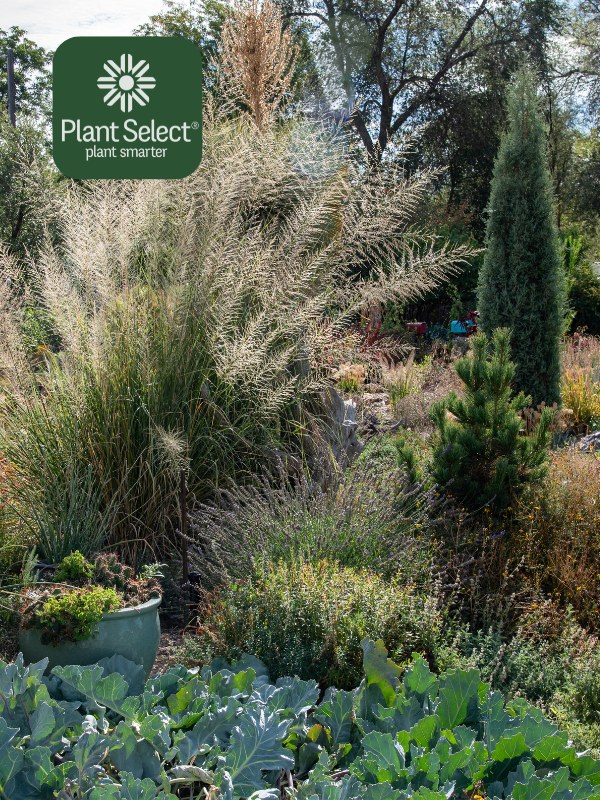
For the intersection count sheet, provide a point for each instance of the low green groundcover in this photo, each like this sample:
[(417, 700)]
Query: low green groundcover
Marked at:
[(224, 733)]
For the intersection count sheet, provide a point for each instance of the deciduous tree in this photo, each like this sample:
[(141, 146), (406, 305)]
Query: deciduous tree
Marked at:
[(393, 59), (32, 78)]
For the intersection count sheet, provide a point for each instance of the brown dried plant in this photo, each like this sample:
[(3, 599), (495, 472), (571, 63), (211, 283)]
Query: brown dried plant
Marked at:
[(258, 59)]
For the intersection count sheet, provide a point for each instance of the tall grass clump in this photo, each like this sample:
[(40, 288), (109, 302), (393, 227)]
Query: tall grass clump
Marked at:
[(189, 321), (558, 533)]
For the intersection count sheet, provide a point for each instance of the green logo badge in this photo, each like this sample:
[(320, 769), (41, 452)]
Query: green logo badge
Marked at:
[(127, 107)]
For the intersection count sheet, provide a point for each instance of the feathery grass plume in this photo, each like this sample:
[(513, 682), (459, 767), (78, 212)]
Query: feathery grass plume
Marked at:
[(192, 318), (10, 308), (327, 221), (258, 58)]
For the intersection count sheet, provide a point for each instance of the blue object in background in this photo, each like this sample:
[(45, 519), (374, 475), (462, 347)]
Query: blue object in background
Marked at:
[(461, 328)]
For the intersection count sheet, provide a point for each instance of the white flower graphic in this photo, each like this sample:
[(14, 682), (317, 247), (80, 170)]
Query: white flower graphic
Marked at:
[(126, 83)]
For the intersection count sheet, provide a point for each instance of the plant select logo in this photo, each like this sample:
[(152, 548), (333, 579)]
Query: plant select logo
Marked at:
[(125, 83), (122, 110)]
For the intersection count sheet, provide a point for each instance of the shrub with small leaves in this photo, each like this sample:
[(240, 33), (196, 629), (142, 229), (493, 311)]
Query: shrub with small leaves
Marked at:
[(309, 620), (585, 689), (103, 585), (72, 615), (548, 660), (74, 568), (556, 531)]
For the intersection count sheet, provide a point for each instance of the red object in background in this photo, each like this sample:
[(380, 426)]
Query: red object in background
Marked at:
[(417, 327), (472, 317)]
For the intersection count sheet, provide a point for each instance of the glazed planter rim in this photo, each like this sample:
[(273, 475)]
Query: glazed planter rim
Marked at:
[(131, 611), (119, 613)]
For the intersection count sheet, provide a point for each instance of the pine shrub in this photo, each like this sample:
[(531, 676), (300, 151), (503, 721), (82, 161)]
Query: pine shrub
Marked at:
[(481, 450), (521, 284)]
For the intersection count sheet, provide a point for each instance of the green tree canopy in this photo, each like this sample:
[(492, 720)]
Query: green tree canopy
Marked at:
[(200, 21), (394, 59), (28, 187), (585, 30), (32, 77)]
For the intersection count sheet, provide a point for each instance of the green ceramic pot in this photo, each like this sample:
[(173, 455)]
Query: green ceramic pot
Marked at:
[(131, 632)]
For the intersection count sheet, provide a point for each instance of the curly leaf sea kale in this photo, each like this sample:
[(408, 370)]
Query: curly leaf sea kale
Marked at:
[(99, 733)]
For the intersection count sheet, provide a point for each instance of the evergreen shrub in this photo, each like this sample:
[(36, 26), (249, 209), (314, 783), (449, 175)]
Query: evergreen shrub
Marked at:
[(521, 283), (481, 450)]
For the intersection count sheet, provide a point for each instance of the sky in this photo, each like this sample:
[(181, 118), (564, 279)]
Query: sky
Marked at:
[(50, 22)]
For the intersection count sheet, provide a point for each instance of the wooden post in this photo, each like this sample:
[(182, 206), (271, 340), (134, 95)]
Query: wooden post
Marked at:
[(10, 70), (185, 567), (184, 544)]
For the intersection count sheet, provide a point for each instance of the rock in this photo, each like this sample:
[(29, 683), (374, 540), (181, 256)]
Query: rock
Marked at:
[(343, 426), (376, 400), (591, 442)]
